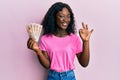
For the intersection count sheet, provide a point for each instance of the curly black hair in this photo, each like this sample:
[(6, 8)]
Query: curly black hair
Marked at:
[(49, 21)]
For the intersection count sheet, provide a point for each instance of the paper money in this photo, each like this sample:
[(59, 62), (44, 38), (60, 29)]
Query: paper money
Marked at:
[(34, 30)]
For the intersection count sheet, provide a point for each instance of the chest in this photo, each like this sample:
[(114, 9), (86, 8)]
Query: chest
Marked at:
[(63, 47)]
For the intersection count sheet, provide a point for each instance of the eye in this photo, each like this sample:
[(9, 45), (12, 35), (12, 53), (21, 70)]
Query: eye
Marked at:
[(61, 16), (68, 16)]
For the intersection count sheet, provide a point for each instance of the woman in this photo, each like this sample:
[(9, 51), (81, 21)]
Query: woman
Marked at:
[(59, 44)]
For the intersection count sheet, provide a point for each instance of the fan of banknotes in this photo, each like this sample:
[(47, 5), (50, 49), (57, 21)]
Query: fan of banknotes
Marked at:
[(34, 30)]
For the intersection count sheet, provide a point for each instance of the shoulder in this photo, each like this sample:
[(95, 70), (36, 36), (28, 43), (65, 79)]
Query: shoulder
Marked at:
[(74, 36), (45, 37)]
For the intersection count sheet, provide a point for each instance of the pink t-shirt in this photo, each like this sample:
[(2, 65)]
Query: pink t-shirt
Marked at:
[(61, 50)]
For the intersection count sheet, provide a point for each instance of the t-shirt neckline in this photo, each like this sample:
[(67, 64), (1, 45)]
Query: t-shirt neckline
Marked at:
[(60, 37)]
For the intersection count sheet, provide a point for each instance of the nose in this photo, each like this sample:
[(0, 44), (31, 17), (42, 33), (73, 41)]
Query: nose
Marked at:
[(66, 19)]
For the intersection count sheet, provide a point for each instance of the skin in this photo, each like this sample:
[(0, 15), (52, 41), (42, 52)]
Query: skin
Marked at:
[(63, 20), (84, 56)]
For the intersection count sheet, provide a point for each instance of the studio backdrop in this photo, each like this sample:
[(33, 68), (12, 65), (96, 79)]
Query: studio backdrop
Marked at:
[(17, 62)]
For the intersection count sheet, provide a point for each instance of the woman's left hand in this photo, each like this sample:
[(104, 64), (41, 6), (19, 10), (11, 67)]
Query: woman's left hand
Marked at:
[(85, 33)]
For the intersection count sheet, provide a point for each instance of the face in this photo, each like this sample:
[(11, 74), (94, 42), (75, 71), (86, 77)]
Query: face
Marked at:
[(63, 18)]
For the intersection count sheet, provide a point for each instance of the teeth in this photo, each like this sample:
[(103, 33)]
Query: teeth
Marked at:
[(64, 24)]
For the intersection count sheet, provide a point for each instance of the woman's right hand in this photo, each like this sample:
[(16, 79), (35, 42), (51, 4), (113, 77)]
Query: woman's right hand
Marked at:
[(32, 44), (43, 57)]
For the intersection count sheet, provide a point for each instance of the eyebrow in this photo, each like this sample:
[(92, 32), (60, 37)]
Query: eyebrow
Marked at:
[(63, 14)]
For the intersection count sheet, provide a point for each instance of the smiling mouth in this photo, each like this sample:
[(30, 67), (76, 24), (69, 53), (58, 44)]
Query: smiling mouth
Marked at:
[(64, 24)]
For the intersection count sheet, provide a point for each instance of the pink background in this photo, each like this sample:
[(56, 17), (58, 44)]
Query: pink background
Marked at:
[(19, 63)]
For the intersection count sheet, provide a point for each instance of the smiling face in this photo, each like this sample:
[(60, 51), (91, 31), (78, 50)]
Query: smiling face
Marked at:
[(63, 19)]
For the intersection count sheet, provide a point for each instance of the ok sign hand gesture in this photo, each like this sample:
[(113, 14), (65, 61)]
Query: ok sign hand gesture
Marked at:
[(85, 33)]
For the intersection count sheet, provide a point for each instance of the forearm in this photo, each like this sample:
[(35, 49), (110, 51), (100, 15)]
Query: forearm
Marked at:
[(84, 57), (85, 36), (43, 60)]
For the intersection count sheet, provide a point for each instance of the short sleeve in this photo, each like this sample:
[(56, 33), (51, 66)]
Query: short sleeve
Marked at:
[(78, 45), (42, 44)]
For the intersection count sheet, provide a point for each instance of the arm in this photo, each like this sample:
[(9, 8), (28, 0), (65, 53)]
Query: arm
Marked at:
[(43, 57), (84, 56)]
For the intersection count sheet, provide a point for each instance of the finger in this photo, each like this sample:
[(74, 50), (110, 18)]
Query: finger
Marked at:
[(31, 43), (83, 25), (28, 42), (80, 31), (30, 25), (91, 30), (29, 30), (86, 26)]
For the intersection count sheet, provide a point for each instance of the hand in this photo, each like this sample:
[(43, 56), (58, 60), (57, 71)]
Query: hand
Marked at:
[(85, 33), (32, 44), (34, 30)]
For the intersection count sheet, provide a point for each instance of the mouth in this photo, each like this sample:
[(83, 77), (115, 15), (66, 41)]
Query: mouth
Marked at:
[(64, 24)]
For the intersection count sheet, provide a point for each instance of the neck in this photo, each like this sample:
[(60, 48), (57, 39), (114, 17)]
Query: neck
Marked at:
[(61, 33)]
